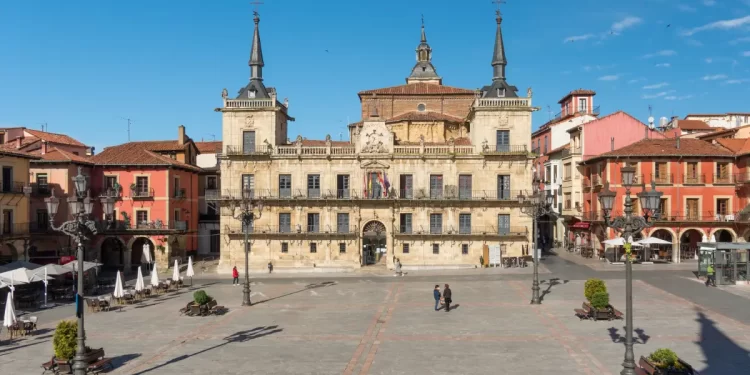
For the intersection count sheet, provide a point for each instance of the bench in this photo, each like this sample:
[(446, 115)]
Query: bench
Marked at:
[(646, 366), (617, 313), (97, 362), (584, 312), (49, 366)]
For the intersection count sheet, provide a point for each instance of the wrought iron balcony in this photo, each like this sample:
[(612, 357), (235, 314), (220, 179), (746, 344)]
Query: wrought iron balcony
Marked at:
[(662, 178), (13, 230), (742, 178), (723, 179), (699, 216), (40, 227), (180, 193), (14, 187), (41, 190), (142, 193), (143, 226), (698, 179), (111, 193), (451, 194), (474, 231), (295, 230)]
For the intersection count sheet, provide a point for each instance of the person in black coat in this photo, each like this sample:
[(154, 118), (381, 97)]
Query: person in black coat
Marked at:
[(447, 297)]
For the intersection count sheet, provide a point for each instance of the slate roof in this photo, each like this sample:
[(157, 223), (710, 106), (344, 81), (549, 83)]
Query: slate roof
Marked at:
[(424, 116), (138, 154), (419, 88)]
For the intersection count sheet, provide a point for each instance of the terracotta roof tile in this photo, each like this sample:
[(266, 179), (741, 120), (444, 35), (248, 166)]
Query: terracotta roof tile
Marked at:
[(54, 137), (463, 141), (424, 116), (57, 155), (692, 125), (163, 146), (420, 88), (668, 147), (137, 153), (209, 147), (11, 150), (563, 147), (733, 144), (577, 92)]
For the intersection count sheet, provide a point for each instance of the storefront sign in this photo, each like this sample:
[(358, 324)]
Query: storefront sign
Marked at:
[(66, 259), (583, 225)]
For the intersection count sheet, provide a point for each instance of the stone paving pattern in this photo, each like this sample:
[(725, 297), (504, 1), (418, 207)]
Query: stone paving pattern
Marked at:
[(386, 325)]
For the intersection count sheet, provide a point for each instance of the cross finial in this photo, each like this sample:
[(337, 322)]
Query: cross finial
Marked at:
[(256, 3), (497, 3), (423, 20)]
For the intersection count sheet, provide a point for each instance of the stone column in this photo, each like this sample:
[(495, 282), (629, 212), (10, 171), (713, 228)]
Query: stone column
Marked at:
[(676, 252)]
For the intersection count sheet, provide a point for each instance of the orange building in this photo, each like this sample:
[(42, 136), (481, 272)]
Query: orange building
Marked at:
[(156, 187), (703, 195)]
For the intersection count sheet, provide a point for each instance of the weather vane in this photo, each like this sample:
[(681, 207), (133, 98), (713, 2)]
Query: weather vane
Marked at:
[(256, 3)]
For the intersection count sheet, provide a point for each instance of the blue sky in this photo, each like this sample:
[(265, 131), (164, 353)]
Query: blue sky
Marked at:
[(83, 66)]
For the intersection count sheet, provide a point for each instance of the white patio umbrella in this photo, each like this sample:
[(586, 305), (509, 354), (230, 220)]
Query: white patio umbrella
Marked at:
[(190, 273), (176, 272), (119, 292), (139, 285), (19, 264), (73, 266), (154, 276), (23, 276), (9, 319), (52, 269), (619, 241), (652, 241)]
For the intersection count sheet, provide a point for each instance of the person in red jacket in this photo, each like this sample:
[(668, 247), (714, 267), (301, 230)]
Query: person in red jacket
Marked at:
[(235, 276)]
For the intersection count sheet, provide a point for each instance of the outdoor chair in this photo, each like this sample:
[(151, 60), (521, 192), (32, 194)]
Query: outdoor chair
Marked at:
[(30, 325), (186, 309)]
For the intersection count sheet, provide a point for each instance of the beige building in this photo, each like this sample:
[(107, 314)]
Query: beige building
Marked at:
[(431, 176)]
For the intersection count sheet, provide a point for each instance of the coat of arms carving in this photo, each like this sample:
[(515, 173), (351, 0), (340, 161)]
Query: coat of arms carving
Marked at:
[(249, 121)]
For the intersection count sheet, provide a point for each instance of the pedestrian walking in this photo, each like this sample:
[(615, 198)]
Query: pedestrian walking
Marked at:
[(711, 279), (235, 276), (398, 268), (436, 294), (270, 267), (447, 297)]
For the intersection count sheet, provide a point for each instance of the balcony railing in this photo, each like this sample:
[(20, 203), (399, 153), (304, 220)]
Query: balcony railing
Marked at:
[(13, 187), (571, 151), (249, 103), (723, 179), (354, 194), (180, 193), (111, 193), (694, 179), (535, 150), (449, 230), (582, 111), (742, 178), (662, 178), (699, 216), (141, 193), (157, 225), (14, 229), (250, 150), (41, 190), (502, 102), (40, 227), (259, 229), (505, 150)]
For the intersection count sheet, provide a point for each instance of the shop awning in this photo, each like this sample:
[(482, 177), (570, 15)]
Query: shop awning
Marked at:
[(581, 225)]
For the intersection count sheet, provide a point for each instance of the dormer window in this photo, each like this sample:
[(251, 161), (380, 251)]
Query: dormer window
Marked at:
[(501, 93), (421, 107), (251, 94)]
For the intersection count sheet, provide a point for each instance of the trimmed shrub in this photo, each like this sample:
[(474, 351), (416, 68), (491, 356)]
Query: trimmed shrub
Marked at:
[(664, 359), (64, 341), (200, 297), (592, 286), (600, 300)]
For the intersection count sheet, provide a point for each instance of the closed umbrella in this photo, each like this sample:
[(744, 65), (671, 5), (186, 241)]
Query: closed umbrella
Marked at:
[(154, 277), (139, 285), (9, 319), (176, 272), (119, 292), (190, 273)]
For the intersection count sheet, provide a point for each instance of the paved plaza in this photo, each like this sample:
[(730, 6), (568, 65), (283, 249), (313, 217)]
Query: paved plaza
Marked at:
[(387, 325)]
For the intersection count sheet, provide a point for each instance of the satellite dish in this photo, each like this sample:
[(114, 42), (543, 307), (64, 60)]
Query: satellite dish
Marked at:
[(663, 122), (651, 120)]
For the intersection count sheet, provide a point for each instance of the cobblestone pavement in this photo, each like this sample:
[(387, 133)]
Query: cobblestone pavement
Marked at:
[(387, 325)]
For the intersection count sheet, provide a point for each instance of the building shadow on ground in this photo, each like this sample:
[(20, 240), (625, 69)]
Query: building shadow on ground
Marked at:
[(237, 337), (122, 360), (550, 283), (723, 356)]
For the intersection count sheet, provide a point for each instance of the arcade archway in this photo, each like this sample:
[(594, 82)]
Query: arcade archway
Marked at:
[(136, 251), (373, 243), (113, 252)]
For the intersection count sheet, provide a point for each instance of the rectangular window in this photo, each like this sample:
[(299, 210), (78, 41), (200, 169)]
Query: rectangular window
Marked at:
[(215, 240), (313, 247), (212, 209), (545, 144), (568, 201), (248, 186), (503, 187), (141, 217), (436, 186), (722, 173), (660, 173), (42, 219), (342, 223), (464, 249), (566, 172), (284, 247), (7, 179), (313, 186), (248, 142), (313, 223), (692, 212), (285, 186), (7, 221), (582, 105), (664, 208), (342, 247), (722, 206), (692, 173), (406, 186), (376, 185), (211, 183), (285, 222), (177, 214), (141, 185), (342, 186), (436, 248), (42, 184), (503, 224), (436, 223), (464, 224), (503, 141), (176, 187), (554, 173), (405, 248), (110, 182), (405, 224), (464, 186)]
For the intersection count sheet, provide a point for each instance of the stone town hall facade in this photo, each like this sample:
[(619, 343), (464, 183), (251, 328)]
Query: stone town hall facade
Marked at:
[(431, 175)]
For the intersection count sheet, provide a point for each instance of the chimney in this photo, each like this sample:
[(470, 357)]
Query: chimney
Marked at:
[(90, 151), (44, 147), (678, 143), (19, 141), (181, 135), (612, 144)]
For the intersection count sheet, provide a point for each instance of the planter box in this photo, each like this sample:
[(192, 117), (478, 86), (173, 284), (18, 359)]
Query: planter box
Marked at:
[(651, 369)]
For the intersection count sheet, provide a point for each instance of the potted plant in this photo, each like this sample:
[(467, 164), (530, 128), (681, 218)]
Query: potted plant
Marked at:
[(665, 362), (200, 298), (593, 286), (600, 305)]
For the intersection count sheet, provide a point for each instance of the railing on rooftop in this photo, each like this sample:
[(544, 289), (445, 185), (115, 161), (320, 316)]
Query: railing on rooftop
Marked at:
[(502, 102), (364, 194), (350, 150), (249, 103), (594, 112)]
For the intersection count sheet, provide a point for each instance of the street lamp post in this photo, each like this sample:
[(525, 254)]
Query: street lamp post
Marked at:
[(246, 207), (536, 207), (629, 225), (81, 229)]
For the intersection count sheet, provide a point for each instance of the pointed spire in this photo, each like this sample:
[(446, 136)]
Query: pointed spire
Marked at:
[(498, 57), (256, 52), (424, 36), (423, 71)]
